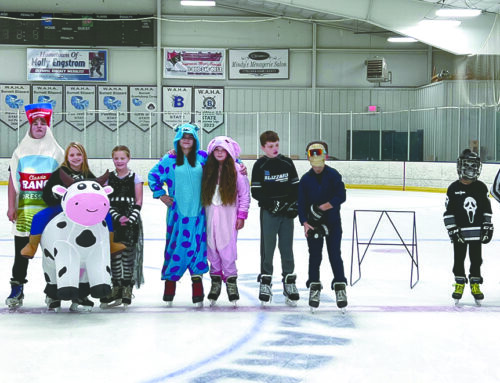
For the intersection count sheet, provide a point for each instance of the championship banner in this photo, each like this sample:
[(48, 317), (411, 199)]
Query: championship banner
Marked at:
[(194, 63), (209, 108), (53, 94), (13, 98), (79, 100), (246, 64), (110, 100), (67, 65), (176, 105), (142, 101)]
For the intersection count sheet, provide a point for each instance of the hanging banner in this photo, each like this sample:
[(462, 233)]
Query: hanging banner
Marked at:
[(194, 63), (79, 100), (209, 108), (246, 64), (67, 65), (13, 98), (176, 105), (142, 102), (53, 94), (112, 104)]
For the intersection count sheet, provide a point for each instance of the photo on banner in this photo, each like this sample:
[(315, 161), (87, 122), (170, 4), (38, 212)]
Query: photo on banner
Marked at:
[(194, 63)]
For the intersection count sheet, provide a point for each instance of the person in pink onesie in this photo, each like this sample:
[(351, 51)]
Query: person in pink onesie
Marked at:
[(226, 197)]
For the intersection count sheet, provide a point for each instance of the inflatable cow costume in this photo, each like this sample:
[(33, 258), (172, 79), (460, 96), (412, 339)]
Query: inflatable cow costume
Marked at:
[(75, 244)]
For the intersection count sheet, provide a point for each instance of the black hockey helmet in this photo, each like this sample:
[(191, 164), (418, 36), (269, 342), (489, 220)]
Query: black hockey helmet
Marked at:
[(469, 165)]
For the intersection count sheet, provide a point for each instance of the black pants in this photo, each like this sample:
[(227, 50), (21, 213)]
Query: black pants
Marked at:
[(20, 268), (476, 260)]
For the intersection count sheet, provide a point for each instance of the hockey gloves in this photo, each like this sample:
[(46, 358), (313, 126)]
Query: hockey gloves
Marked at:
[(486, 232), (292, 211), (279, 207), (318, 232), (315, 215), (455, 234)]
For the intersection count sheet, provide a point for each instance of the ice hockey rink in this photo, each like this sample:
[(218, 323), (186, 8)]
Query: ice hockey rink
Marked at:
[(390, 332)]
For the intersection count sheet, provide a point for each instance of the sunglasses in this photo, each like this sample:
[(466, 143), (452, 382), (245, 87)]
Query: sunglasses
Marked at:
[(315, 152)]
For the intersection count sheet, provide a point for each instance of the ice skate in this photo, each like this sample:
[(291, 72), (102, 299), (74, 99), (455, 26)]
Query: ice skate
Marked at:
[(314, 295), (459, 289), (215, 289), (232, 290), (265, 292), (53, 305), (198, 294), (15, 299), (169, 292), (83, 305), (340, 295), (127, 294), (290, 290), (114, 298), (475, 290)]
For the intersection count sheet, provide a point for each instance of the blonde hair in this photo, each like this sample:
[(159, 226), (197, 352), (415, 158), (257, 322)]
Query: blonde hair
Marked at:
[(121, 148), (85, 164)]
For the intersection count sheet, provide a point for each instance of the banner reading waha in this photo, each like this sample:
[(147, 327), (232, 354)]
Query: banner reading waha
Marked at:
[(67, 65)]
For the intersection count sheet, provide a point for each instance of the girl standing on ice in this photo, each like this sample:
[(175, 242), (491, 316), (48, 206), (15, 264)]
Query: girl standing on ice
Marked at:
[(186, 247), (226, 197), (126, 202)]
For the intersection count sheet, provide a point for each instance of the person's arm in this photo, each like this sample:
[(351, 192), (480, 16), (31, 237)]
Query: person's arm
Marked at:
[(157, 178), (134, 216), (243, 190), (338, 196), (48, 197), (293, 181), (11, 198)]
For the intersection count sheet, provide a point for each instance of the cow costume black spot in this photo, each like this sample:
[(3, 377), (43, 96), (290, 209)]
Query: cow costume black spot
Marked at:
[(80, 239)]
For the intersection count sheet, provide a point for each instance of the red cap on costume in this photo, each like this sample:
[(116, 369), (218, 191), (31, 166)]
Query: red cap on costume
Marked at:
[(43, 110)]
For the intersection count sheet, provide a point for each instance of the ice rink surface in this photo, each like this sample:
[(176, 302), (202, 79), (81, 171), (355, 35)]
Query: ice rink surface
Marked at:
[(390, 333)]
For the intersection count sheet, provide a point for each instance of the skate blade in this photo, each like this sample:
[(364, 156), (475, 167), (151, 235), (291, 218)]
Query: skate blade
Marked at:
[(343, 310), (457, 302), (213, 302), (313, 309), (80, 309), (290, 303), (234, 303), (53, 310), (478, 302), (198, 305), (110, 305)]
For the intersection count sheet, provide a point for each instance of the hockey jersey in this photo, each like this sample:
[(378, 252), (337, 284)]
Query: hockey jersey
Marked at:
[(468, 207)]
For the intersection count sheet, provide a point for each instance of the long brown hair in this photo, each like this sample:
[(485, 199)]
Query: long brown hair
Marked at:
[(227, 181), (85, 164)]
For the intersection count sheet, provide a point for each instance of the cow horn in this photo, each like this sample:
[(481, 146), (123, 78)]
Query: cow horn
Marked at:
[(66, 179), (102, 179)]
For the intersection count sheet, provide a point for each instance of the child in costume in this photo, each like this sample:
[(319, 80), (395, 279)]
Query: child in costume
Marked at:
[(321, 193), (275, 185), (226, 197), (468, 221), (32, 162), (126, 202), (186, 240)]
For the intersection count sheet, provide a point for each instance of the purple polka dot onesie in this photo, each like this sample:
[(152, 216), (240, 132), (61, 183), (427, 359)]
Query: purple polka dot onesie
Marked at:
[(186, 242)]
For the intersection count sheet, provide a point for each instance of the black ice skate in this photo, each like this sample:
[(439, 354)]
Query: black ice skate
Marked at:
[(232, 290), (475, 290), (459, 288), (127, 287), (83, 305), (215, 289), (53, 304), (15, 299), (340, 295), (114, 298), (265, 292), (314, 295), (290, 290)]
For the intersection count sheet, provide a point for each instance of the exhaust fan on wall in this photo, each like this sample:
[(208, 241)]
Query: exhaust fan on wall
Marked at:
[(376, 70)]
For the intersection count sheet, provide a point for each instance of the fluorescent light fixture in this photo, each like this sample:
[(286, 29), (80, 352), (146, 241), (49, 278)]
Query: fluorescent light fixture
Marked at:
[(199, 3), (458, 12), (439, 23), (401, 39)]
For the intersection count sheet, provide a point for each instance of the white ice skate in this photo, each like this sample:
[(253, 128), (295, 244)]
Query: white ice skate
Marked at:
[(53, 305), (314, 296), (340, 296), (265, 292), (290, 290)]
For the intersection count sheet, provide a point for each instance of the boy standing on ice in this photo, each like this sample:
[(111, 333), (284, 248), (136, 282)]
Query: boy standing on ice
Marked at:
[(468, 221)]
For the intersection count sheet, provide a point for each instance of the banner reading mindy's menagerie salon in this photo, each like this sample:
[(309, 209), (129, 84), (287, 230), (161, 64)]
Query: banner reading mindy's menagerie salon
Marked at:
[(67, 65)]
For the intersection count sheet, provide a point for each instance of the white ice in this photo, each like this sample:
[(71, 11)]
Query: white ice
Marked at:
[(390, 333)]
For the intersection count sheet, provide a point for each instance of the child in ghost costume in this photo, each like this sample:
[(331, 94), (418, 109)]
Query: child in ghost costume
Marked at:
[(226, 197)]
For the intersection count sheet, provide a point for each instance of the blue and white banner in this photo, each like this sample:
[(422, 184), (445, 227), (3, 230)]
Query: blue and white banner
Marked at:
[(112, 102), (80, 99), (53, 94), (142, 102), (13, 98), (209, 107), (67, 65), (177, 105)]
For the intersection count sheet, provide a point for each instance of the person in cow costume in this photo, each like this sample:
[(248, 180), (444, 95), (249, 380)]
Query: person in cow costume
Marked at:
[(468, 221), (75, 244), (32, 162)]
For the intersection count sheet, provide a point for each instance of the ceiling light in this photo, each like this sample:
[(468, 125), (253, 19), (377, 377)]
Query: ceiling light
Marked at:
[(439, 23), (200, 3), (401, 39), (458, 12)]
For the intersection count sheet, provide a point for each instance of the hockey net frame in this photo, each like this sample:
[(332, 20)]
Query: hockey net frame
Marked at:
[(411, 248)]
